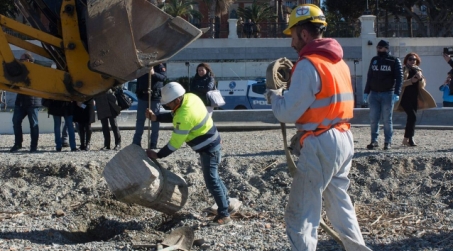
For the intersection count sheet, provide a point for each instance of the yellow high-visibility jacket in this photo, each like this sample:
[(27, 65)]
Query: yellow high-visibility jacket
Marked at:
[(193, 125)]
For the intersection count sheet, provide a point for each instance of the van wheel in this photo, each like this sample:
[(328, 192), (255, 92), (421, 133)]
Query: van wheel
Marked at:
[(240, 107)]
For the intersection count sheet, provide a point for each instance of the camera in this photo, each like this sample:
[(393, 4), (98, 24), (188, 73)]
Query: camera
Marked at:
[(449, 51), (187, 63)]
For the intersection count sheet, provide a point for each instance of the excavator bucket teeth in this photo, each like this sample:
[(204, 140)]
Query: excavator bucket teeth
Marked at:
[(127, 37)]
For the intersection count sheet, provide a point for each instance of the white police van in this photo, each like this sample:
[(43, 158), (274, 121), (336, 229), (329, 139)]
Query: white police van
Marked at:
[(243, 94)]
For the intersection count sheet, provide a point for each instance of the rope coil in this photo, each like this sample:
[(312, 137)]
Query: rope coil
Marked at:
[(278, 74)]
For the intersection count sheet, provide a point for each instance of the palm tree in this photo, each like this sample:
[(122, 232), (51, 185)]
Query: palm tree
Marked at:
[(181, 8), (257, 12), (216, 9)]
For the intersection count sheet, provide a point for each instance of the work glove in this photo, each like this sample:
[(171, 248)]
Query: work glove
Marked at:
[(365, 98), (395, 98), (269, 92)]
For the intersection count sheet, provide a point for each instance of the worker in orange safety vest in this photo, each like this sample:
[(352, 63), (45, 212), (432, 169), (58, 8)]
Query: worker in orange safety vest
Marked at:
[(320, 102)]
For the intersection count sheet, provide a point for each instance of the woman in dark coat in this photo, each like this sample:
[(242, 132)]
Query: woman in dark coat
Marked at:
[(107, 111), (202, 82), (63, 109), (84, 116)]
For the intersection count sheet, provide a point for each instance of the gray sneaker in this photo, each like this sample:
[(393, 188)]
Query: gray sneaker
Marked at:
[(234, 205), (387, 146)]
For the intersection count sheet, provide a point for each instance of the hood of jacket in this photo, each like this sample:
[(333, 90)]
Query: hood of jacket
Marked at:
[(326, 47)]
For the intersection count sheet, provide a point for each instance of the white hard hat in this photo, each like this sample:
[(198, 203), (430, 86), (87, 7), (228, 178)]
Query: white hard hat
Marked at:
[(171, 91)]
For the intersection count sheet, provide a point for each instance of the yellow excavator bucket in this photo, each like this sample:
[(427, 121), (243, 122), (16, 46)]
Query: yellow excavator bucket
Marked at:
[(95, 45), (127, 37)]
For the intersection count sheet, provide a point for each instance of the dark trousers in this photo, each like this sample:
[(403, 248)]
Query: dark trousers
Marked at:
[(106, 131), (85, 135), (410, 122), (18, 116)]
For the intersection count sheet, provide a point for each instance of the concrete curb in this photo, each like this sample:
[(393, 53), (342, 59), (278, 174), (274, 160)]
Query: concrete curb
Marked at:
[(234, 120)]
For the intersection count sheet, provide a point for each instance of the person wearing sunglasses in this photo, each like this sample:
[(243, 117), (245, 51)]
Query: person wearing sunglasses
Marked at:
[(413, 95), (382, 90)]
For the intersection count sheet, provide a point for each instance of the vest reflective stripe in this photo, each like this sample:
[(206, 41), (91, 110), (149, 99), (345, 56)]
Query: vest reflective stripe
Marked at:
[(335, 101), (336, 98), (171, 147), (182, 132), (202, 122), (185, 132), (206, 142)]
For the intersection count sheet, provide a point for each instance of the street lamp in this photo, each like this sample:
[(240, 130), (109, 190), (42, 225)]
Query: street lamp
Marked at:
[(188, 75), (367, 11)]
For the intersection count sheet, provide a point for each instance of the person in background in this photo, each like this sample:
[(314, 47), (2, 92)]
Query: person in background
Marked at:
[(26, 106), (320, 101), (248, 28), (158, 76), (445, 89), (107, 111), (240, 27), (84, 116), (202, 82), (449, 60), (382, 90), (65, 109), (413, 81), (64, 135), (194, 126)]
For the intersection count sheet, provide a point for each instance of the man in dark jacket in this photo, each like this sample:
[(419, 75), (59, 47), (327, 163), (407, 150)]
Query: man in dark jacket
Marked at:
[(26, 106), (158, 76), (382, 90)]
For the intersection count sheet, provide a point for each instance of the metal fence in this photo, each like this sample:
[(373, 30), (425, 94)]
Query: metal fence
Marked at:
[(275, 30), (403, 29)]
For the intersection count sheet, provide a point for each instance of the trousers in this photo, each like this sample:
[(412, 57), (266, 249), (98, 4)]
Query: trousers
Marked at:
[(322, 171)]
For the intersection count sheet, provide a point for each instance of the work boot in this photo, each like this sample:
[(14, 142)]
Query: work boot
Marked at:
[(221, 221), (15, 148), (387, 146), (372, 145)]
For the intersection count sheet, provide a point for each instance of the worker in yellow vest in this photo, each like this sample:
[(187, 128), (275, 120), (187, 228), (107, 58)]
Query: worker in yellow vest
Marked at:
[(194, 126), (320, 102)]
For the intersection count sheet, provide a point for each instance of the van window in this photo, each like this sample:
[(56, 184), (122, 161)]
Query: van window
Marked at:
[(259, 88)]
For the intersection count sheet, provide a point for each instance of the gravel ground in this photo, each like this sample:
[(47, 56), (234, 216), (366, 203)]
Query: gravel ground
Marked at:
[(59, 200)]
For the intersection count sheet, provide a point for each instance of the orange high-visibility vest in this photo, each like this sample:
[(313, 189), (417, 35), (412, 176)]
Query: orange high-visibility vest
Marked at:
[(334, 104)]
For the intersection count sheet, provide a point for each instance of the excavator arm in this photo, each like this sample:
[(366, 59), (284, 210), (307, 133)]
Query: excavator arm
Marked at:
[(95, 45)]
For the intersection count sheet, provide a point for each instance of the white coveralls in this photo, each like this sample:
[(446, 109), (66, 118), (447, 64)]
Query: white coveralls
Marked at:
[(322, 170)]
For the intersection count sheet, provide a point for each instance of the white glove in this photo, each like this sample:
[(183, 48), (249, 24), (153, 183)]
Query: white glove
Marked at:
[(269, 92)]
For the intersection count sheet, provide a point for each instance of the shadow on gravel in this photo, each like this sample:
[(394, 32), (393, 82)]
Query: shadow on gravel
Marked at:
[(439, 242), (100, 229)]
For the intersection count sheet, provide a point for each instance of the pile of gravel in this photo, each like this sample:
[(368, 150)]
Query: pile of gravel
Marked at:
[(60, 201)]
